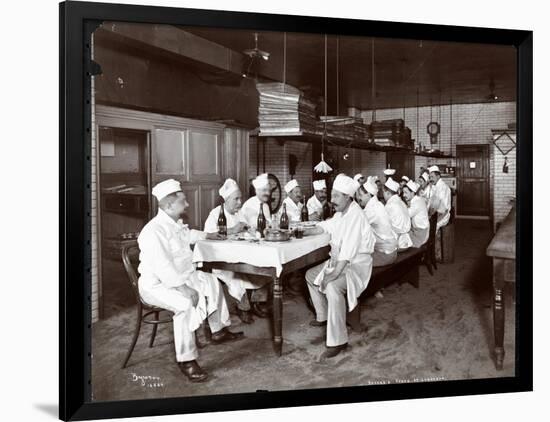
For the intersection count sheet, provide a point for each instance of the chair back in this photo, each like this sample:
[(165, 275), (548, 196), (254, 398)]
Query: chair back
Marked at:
[(130, 259)]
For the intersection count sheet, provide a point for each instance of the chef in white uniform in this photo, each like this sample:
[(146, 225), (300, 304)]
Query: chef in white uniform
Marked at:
[(346, 274), (404, 181), (251, 208), (440, 198), (425, 190), (418, 211), (168, 279), (293, 201), (399, 214), (316, 203), (236, 283), (385, 248), (359, 178)]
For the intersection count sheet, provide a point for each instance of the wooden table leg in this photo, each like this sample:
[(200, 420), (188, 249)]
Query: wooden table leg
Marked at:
[(277, 315), (498, 311)]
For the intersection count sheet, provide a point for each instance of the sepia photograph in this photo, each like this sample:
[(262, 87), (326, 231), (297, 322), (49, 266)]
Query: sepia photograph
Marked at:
[(284, 210)]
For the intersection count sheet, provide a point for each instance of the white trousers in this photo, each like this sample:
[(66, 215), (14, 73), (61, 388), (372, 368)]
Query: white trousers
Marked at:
[(330, 306), (172, 299)]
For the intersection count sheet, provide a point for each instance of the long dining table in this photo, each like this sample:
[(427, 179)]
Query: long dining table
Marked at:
[(267, 259)]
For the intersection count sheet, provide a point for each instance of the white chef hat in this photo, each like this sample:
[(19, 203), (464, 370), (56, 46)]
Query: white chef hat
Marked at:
[(412, 186), (370, 186), (291, 185), (165, 188), (345, 184), (433, 168), (319, 184), (389, 172), (261, 181), (357, 177), (229, 187), (425, 176), (405, 178), (392, 185)]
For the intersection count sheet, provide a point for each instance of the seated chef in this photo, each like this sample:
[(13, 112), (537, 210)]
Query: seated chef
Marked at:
[(251, 208), (399, 214), (237, 284), (168, 279), (346, 274), (418, 211), (440, 197), (317, 205), (385, 248), (293, 201)]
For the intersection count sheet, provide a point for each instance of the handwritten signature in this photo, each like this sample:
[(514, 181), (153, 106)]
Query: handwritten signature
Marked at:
[(147, 381)]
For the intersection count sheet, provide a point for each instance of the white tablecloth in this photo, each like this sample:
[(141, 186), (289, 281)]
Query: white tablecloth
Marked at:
[(262, 254)]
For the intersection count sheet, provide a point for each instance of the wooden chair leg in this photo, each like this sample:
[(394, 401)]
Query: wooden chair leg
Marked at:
[(154, 332), (134, 339)]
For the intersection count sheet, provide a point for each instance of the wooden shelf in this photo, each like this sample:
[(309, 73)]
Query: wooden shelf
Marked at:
[(359, 144)]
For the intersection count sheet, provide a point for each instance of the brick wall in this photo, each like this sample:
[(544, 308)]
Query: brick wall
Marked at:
[(504, 183), (277, 161), (471, 124)]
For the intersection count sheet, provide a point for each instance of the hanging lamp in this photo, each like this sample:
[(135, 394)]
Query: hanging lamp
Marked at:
[(323, 166)]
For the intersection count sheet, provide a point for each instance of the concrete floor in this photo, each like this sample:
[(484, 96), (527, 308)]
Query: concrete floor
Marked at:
[(441, 331)]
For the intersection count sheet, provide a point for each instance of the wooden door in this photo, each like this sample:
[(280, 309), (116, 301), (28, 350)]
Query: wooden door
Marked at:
[(472, 180), (402, 162)]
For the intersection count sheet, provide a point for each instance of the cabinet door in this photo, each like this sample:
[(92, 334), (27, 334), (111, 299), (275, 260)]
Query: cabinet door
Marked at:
[(169, 154), (205, 155)]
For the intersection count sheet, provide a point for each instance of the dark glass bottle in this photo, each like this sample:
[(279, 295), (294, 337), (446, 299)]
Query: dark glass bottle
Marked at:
[(261, 221), (283, 223), (222, 222), (304, 216)]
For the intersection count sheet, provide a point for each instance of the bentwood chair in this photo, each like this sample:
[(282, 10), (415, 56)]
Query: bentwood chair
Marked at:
[(146, 314)]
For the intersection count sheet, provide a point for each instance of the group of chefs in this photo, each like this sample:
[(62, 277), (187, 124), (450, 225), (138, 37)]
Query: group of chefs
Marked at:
[(370, 223)]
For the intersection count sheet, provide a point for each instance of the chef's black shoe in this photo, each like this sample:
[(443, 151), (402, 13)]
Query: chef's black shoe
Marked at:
[(224, 336), (193, 371), (332, 351)]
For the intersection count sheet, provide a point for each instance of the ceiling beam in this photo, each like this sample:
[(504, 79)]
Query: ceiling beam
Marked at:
[(180, 44)]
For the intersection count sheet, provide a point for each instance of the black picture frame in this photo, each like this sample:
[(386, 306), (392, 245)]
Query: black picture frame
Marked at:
[(77, 21)]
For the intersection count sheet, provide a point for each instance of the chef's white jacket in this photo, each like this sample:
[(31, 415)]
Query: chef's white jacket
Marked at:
[(378, 218), (236, 283), (440, 202), (166, 262), (251, 209), (352, 240), (400, 221), (211, 223), (420, 222), (293, 210), (314, 206)]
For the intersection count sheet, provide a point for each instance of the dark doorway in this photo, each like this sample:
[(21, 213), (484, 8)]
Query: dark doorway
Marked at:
[(473, 180)]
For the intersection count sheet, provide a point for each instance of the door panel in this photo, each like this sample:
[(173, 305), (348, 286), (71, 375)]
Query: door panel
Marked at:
[(169, 153), (209, 199), (402, 162), (473, 180), (205, 155)]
